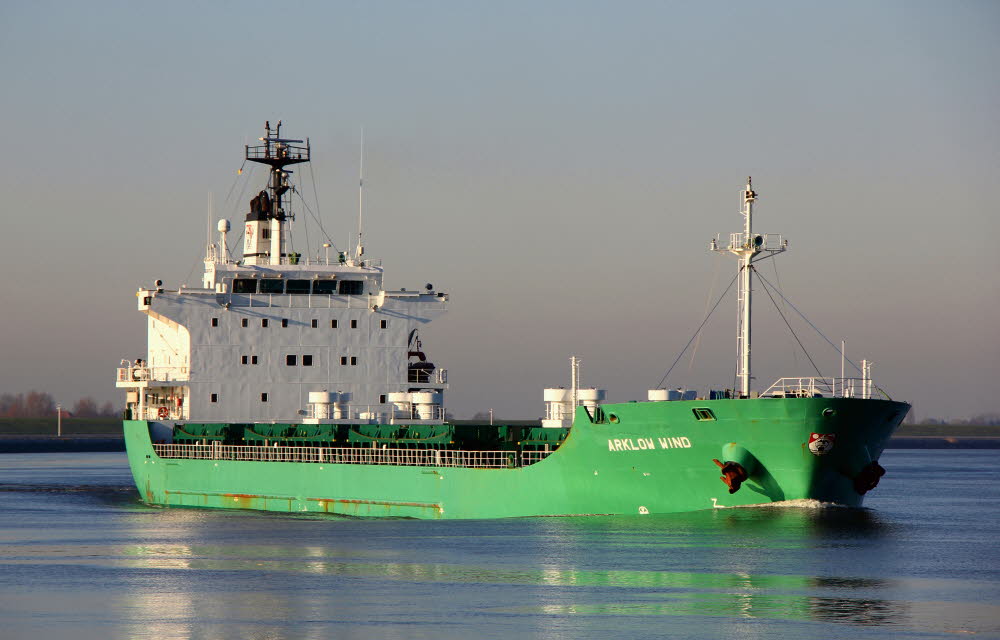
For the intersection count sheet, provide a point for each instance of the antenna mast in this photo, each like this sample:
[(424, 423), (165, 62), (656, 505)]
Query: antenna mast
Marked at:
[(747, 246), (361, 185)]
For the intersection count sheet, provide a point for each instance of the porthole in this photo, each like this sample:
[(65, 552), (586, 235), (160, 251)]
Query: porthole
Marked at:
[(613, 418), (829, 413)]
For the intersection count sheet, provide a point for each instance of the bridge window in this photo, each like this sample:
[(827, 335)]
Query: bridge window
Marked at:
[(352, 287), (272, 285), (297, 286), (244, 285), (325, 287), (703, 414)]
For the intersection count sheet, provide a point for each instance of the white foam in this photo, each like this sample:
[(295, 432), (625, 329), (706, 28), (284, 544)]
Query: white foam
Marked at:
[(803, 503)]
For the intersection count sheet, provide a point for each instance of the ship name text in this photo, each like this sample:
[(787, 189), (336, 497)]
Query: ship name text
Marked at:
[(643, 444)]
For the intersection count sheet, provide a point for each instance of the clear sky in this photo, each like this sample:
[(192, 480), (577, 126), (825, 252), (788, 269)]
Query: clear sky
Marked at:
[(558, 167)]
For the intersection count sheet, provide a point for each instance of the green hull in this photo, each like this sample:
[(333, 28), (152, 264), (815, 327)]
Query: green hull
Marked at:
[(647, 457)]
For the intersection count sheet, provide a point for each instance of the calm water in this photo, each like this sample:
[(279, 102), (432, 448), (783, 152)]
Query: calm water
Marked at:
[(81, 557)]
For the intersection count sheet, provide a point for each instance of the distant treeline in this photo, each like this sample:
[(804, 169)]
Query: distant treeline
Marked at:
[(37, 404)]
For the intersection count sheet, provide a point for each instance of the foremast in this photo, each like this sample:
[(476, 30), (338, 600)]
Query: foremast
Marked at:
[(748, 248), (265, 224)]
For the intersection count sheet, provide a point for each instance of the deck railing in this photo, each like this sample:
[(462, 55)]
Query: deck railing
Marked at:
[(824, 388), (154, 374), (354, 455)]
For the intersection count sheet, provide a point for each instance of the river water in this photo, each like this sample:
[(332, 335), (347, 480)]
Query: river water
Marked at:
[(81, 557)]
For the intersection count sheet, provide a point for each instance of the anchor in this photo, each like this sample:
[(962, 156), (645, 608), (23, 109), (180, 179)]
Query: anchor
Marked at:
[(733, 474)]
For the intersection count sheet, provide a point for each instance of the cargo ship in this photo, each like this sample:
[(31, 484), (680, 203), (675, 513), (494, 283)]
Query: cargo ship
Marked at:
[(300, 383)]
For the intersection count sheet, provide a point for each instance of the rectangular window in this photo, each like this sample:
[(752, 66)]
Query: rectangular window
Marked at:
[(297, 286), (381, 399), (307, 361), (265, 233), (352, 287), (253, 359), (215, 397), (244, 285), (383, 323), (333, 324), (263, 322), (263, 397), (244, 322), (315, 323), (244, 359), (215, 322), (290, 360), (324, 287), (354, 360), (272, 285), (343, 360), (354, 324), (703, 414)]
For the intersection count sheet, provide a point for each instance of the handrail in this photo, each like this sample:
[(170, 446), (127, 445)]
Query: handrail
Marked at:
[(354, 455), (155, 374), (819, 387)]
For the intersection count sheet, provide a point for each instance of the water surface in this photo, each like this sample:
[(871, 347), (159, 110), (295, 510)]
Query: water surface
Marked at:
[(82, 557)]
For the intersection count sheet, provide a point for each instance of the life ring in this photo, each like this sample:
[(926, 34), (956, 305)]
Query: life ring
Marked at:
[(162, 413)]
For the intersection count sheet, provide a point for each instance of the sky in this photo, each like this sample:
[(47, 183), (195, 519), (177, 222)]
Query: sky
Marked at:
[(557, 167)]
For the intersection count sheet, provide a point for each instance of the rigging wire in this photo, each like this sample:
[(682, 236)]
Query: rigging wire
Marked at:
[(319, 217), (708, 300), (777, 278), (778, 309), (697, 331), (801, 315), (320, 224)]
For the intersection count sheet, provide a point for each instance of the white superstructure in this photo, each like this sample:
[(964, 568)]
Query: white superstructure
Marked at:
[(276, 337)]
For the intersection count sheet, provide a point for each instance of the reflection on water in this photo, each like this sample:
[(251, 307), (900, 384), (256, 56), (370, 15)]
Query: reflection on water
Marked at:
[(94, 563)]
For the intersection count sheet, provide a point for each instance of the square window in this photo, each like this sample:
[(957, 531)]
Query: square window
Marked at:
[(244, 359), (284, 322), (315, 323), (383, 323), (272, 285), (307, 361), (354, 360), (354, 324), (253, 359), (263, 397), (703, 414), (215, 322), (215, 397), (333, 324), (263, 322), (290, 360), (343, 360), (244, 322)]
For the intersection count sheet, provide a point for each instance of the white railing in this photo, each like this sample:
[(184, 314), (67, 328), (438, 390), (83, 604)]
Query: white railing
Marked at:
[(771, 241), (823, 388), (354, 455), (376, 413), (161, 413), (155, 374)]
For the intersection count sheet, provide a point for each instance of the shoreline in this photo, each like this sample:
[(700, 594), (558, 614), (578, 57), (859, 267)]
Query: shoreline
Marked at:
[(36, 443)]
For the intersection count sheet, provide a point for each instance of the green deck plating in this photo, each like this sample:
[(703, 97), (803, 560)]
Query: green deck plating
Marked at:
[(633, 458)]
